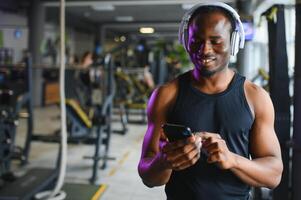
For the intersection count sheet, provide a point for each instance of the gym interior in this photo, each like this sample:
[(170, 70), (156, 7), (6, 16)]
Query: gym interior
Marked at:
[(106, 57)]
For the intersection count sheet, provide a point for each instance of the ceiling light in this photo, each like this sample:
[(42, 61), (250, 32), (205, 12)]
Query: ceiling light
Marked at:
[(116, 39), (122, 38), (124, 18), (103, 7), (146, 30)]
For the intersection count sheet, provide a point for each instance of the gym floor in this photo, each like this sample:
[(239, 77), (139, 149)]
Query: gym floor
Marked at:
[(120, 177)]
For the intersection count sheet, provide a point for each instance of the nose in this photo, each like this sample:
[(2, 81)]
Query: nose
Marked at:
[(206, 47)]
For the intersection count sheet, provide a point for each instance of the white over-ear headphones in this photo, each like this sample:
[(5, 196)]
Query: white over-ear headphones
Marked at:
[(237, 37)]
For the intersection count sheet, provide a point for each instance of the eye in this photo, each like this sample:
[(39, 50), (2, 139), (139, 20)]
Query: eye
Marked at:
[(216, 41)]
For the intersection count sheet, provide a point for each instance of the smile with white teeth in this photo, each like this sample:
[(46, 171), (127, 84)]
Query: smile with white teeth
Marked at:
[(207, 61)]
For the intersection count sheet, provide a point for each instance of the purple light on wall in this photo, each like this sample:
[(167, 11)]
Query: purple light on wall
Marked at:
[(249, 30)]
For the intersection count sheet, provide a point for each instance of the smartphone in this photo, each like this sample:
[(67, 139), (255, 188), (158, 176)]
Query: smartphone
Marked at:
[(176, 132)]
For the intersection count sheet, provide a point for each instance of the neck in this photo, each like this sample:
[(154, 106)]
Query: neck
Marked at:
[(212, 84)]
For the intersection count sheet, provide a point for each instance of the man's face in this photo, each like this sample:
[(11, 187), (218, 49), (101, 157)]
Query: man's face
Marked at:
[(209, 42)]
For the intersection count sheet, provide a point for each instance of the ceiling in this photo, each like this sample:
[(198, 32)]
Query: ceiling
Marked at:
[(100, 16), (163, 15)]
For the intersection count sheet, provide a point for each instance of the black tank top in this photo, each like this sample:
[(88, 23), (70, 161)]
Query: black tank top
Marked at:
[(226, 113)]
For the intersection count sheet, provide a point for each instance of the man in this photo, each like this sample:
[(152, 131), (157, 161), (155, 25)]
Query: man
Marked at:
[(234, 119)]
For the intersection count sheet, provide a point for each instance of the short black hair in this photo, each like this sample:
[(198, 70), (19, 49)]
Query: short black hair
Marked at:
[(213, 9)]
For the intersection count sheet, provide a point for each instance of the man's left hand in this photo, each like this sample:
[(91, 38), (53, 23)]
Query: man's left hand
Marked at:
[(217, 150)]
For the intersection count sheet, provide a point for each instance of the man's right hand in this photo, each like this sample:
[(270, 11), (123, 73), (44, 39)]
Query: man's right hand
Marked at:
[(181, 154)]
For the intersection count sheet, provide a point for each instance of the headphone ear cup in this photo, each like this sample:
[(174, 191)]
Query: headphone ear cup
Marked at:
[(234, 42), (183, 31)]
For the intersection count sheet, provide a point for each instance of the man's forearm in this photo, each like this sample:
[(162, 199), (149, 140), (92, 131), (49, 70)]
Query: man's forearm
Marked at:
[(153, 172), (264, 172)]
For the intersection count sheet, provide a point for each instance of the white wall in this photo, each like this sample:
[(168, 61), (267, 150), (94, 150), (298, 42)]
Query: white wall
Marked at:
[(11, 19), (9, 23), (78, 42), (290, 27), (259, 57)]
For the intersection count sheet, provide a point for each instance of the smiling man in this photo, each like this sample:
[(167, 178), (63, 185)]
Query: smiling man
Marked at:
[(235, 145)]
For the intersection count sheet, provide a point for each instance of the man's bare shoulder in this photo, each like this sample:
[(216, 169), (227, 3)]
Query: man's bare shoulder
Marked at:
[(255, 91), (257, 97), (166, 92), (169, 88), (163, 98)]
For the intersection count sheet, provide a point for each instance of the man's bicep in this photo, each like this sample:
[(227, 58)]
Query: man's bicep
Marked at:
[(151, 141), (263, 140), (156, 114)]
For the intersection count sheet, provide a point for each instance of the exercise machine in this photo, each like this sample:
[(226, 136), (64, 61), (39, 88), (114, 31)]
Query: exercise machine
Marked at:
[(12, 99), (131, 94), (89, 129)]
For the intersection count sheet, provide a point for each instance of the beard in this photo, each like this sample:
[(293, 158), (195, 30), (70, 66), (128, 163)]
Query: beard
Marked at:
[(208, 73), (220, 63)]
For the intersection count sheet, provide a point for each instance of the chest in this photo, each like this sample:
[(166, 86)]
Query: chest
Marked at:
[(228, 113)]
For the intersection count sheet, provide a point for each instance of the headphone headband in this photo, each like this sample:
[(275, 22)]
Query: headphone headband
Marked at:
[(236, 42)]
